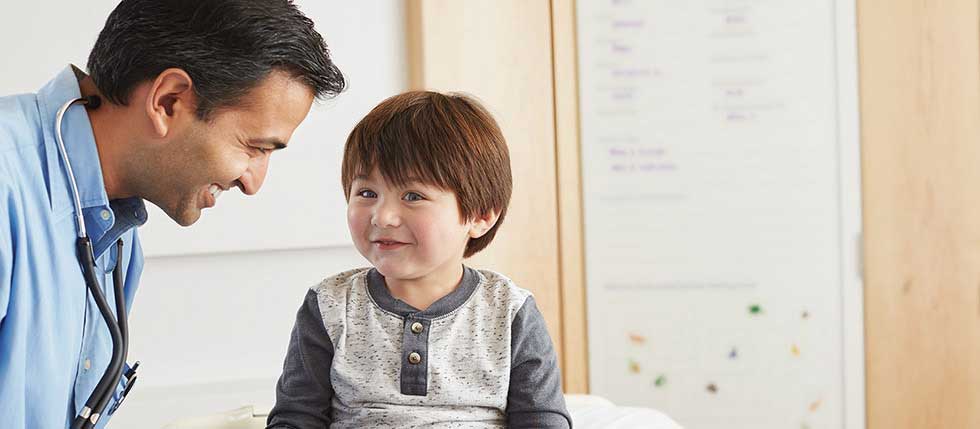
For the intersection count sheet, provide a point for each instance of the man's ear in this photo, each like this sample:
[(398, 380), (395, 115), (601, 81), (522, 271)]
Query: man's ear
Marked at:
[(483, 223), (170, 98)]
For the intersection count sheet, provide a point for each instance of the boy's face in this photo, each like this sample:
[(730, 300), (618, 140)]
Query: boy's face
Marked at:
[(408, 233)]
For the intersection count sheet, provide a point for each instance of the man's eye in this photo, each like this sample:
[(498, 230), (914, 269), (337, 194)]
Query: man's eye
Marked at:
[(366, 193), (413, 196)]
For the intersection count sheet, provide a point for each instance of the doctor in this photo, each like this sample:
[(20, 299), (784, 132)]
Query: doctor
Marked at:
[(183, 100)]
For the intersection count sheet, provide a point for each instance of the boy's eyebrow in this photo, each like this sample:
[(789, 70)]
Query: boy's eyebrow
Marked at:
[(411, 180)]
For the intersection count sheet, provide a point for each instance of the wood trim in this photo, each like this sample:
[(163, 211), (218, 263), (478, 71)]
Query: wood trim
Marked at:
[(414, 30), (569, 191), (920, 108)]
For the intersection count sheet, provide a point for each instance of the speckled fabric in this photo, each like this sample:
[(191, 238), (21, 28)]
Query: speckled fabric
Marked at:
[(483, 358)]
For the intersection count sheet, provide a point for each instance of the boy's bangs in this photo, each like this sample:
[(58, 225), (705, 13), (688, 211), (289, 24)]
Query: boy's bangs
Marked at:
[(402, 157)]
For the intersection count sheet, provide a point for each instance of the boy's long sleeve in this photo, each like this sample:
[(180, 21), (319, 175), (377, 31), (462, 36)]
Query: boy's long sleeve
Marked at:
[(304, 392), (535, 398)]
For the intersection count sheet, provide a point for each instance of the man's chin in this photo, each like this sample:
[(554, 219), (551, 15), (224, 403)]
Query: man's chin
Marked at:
[(186, 217), (182, 214)]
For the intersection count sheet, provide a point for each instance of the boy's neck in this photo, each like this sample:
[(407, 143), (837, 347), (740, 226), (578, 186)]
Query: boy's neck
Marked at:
[(423, 291)]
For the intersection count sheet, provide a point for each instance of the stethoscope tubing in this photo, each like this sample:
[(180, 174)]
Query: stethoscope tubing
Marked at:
[(118, 329), (79, 220)]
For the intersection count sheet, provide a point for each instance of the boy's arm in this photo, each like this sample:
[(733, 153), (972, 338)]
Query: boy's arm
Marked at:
[(304, 393), (535, 397)]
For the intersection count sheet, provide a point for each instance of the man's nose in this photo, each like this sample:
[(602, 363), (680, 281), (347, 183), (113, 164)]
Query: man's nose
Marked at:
[(254, 176)]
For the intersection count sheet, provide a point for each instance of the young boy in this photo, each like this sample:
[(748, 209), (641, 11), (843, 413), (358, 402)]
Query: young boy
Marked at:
[(420, 339)]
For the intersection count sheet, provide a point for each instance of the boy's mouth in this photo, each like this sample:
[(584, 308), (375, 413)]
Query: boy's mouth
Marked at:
[(385, 244)]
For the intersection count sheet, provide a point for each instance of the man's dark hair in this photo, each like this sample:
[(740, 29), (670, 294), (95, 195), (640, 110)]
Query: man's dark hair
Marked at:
[(226, 46)]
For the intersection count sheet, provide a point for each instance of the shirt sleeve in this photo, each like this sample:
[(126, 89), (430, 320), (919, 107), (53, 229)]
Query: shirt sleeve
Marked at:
[(6, 254), (304, 393), (535, 398)]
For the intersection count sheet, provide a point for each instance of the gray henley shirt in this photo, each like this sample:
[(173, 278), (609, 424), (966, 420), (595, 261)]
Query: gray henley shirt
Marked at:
[(478, 357)]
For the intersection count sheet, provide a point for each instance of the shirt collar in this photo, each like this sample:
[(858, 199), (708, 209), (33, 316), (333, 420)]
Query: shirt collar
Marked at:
[(79, 142), (443, 306)]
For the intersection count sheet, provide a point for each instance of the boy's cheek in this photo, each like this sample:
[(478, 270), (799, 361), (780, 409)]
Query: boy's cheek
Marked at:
[(356, 220)]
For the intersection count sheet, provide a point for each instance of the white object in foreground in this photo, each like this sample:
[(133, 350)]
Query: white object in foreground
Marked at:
[(587, 411)]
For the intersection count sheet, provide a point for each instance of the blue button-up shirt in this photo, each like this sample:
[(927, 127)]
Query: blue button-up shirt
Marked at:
[(54, 344)]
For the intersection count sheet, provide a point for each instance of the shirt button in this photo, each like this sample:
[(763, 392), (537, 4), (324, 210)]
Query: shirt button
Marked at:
[(417, 328), (105, 214), (88, 364), (414, 358)]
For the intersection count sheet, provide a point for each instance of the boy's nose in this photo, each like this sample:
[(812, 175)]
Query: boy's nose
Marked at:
[(385, 217)]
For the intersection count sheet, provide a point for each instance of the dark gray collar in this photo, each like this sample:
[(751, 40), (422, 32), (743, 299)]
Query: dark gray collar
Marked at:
[(445, 305)]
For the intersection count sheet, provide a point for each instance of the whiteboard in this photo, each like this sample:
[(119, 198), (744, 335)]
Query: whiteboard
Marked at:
[(301, 204), (721, 194)]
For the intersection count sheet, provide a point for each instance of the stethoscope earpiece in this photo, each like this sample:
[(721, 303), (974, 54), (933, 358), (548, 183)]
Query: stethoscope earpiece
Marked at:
[(93, 101)]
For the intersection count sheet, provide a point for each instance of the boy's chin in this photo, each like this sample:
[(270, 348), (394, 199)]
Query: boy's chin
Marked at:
[(390, 272), (398, 271)]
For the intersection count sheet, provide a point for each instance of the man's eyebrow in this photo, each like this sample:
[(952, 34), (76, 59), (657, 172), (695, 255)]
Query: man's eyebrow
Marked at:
[(278, 144)]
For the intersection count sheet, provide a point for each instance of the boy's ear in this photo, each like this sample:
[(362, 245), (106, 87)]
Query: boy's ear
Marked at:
[(483, 223)]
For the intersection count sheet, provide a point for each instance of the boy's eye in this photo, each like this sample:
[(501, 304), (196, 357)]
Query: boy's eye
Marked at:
[(413, 196), (366, 193)]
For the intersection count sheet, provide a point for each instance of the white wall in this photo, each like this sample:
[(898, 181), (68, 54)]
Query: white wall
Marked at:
[(223, 317), (211, 331)]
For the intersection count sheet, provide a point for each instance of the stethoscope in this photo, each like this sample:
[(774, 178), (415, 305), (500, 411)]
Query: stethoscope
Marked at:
[(118, 328)]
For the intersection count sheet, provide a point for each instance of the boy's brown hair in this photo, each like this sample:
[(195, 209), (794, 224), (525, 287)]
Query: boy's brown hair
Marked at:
[(445, 140)]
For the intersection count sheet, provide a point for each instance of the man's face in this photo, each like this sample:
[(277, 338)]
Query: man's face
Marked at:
[(230, 150)]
